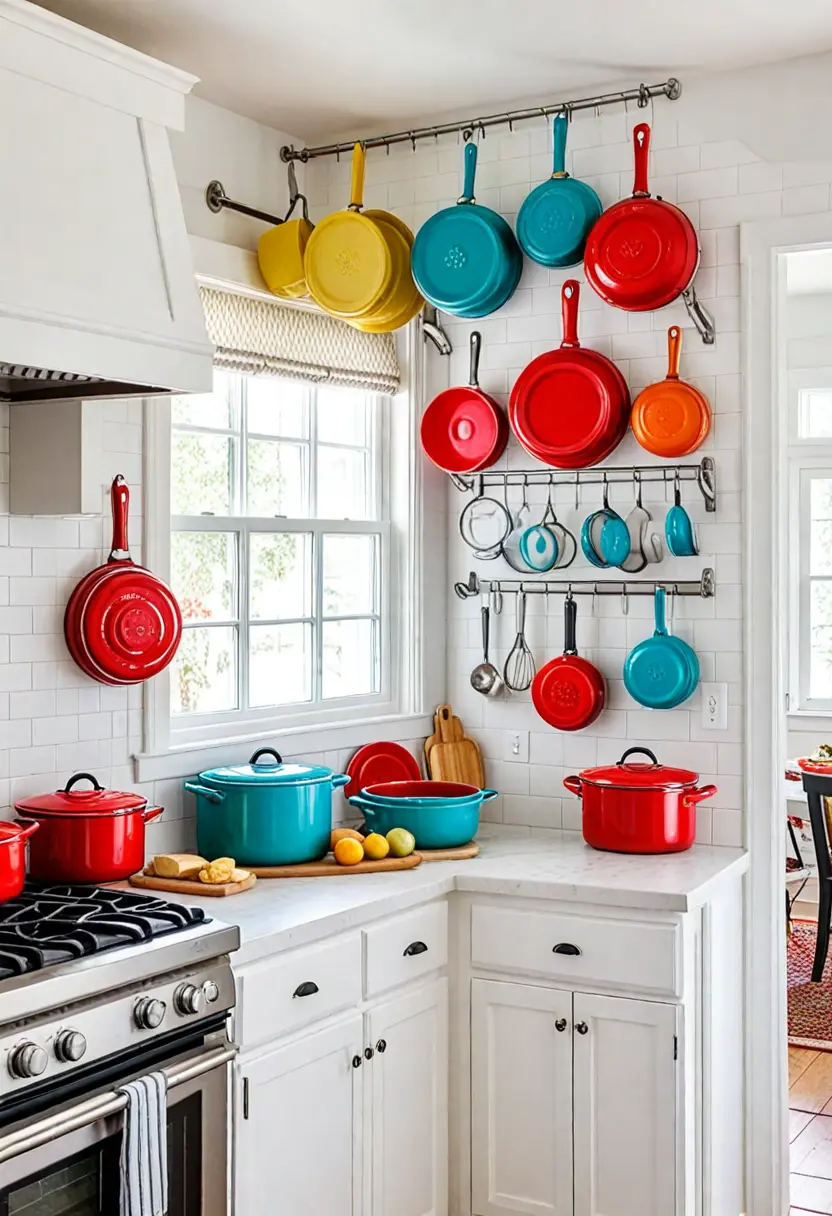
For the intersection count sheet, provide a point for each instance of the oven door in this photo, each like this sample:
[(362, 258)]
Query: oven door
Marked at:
[(67, 1163)]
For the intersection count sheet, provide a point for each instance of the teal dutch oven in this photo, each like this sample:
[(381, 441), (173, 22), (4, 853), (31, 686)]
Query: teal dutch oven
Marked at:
[(439, 814), (265, 813)]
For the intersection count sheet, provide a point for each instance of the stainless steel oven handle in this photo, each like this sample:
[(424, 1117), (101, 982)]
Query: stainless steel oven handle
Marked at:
[(103, 1107)]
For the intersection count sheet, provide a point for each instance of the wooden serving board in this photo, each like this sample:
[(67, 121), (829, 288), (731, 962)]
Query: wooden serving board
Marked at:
[(460, 853), (329, 867), (191, 886), (454, 757)]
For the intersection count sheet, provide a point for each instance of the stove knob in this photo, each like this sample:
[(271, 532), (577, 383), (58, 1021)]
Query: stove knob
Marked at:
[(149, 1013), (70, 1046), (28, 1060), (210, 991), (188, 999)]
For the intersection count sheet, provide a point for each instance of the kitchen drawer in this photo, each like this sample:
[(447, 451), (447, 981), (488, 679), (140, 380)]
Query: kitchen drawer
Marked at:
[(406, 947), (276, 997), (623, 953)]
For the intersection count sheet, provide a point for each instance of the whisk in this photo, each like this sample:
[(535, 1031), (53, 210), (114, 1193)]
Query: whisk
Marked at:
[(519, 669)]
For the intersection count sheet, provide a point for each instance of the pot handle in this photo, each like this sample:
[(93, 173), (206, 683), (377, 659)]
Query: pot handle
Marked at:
[(152, 812), (573, 784), (204, 792), (357, 800), (82, 777), (266, 751), (640, 751), (693, 796), (340, 779), (28, 827)]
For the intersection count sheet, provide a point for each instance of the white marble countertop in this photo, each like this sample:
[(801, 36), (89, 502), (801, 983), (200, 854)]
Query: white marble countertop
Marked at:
[(279, 913)]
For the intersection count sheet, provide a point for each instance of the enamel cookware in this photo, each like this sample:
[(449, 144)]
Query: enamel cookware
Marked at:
[(464, 430), (87, 835), (661, 671), (569, 692), (671, 418), (570, 407), (633, 807), (555, 219), (122, 624), (439, 814), (13, 837)]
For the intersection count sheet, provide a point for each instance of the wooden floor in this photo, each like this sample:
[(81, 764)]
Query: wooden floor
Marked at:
[(810, 1130)]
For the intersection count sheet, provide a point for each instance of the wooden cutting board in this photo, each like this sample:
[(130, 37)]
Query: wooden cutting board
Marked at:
[(191, 886), (329, 867), (460, 853), (453, 757)]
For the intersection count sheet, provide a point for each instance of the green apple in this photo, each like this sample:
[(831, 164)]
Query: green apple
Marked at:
[(402, 843)]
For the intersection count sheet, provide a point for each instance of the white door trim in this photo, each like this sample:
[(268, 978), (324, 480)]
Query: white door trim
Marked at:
[(764, 442)]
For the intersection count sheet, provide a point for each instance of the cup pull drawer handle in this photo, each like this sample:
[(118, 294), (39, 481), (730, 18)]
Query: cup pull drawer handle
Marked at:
[(415, 948), (566, 948), (308, 988)]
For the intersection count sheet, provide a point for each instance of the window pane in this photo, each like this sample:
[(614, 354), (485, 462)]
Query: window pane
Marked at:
[(815, 413), (344, 416), (280, 664), (350, 575), (276, 406), (350, 659), (204, 672), (277, 480), (203, 567), (217, 409), (820, 553), (280, 569), (343, 484), (820, 681), (201, 474)]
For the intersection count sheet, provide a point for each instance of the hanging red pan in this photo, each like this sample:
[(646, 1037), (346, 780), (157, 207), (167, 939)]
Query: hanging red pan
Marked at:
[(569, 692), (122, 624), (570, 407), (463, 429)]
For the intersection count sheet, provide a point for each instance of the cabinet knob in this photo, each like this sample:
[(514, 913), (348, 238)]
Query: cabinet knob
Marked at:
[(566, 948), (560, 1024), (381, 1046), (415, 948), (356, 1061), (581, 1027), (368, 1053)]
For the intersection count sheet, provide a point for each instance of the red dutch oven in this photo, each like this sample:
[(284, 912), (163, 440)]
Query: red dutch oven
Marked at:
[(637, 807), (89, 835), (13, 837)]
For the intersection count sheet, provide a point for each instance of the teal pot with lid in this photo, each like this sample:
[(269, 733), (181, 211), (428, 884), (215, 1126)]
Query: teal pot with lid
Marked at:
[(265, 813)]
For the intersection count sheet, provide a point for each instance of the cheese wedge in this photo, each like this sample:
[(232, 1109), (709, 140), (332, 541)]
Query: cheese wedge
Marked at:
[(178, 865)]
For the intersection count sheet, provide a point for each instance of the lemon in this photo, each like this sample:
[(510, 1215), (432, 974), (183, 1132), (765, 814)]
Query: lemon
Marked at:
[(348, 852), (376, 846), (402, 843)]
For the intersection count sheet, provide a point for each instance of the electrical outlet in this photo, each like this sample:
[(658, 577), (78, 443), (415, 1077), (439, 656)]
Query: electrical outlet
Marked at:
[(517, 746), (714, 706)]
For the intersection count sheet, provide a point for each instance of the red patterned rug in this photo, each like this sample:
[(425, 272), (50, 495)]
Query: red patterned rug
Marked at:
[(810, 1005)]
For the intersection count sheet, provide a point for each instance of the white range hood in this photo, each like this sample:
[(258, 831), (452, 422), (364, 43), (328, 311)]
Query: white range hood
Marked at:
[(97, 291)]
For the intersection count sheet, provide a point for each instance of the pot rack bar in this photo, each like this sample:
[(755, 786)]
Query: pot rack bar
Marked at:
[(704, 588), (703, 473), (642, 94)]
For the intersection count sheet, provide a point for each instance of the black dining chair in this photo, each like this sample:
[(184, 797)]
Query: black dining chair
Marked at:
[(818, 790)]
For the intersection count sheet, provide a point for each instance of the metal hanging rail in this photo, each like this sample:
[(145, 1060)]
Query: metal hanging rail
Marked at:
[(705, 588), (642, 95)]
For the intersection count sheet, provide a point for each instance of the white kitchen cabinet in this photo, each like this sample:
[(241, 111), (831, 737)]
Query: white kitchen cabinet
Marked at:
[(298, 1146), (408, 1081)]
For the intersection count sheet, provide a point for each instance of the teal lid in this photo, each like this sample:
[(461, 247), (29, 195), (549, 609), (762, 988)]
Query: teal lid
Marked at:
[(267, 768)]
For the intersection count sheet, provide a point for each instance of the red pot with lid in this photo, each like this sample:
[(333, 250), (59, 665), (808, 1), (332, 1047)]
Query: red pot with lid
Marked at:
[(13, 837), (87, 835), (633, 807)]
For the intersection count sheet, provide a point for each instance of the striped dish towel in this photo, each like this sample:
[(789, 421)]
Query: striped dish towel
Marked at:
[(144, 1147)]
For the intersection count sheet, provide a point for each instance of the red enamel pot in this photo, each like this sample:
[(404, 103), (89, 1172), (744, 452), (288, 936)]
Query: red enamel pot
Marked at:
[(639, 808), (13, 837), (87, 835), (569, 692)]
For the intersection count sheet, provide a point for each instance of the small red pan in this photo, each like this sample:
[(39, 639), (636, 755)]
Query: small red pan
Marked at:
[(569, 692), (122, 624), (570, 407), (643, 252), (463, 429)]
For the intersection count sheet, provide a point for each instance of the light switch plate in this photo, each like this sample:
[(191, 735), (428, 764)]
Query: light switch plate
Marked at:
[(714, 706), (517, 746)]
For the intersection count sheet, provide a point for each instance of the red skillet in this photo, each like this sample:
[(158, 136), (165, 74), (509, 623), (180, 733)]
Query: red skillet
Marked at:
[(122, 624), (463, 429), (568, 692), (642, 253), (570, 407)]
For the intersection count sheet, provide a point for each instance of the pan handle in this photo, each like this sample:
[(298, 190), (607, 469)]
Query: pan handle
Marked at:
[(641, 144), (693, 796), (474, 367), (569, 296), (570, 617), (120, 499), (573, 784), (357, 178), (152, 812), (674, 350), (27, 828), (203, 791), (559, 129), (470, 173)]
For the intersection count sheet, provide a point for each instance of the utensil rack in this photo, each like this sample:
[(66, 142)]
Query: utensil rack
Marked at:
[(703, 473), (704, 588)]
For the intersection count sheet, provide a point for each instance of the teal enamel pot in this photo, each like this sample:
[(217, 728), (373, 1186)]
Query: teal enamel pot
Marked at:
[(554, 221), (661, 672), (439, 814), (265, 813)]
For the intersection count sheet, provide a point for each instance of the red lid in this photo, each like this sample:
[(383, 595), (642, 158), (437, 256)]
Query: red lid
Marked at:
[(638, 775), (380, 762), (69, 801)]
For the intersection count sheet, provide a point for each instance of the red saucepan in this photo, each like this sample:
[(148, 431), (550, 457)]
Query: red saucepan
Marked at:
[(13, 837), (570, 407), (568, 692), (643, 252), (463, 429), (122, 624), (90, 835)]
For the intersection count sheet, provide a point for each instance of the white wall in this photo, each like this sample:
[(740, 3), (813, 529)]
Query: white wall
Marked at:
[(699, 161)]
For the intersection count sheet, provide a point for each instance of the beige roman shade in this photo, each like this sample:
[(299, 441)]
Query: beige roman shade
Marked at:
[(264, 338)]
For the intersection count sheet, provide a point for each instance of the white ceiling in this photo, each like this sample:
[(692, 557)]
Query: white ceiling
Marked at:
[(334, 68)]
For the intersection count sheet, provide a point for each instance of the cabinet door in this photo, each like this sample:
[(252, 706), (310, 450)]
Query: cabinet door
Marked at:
[(298, 1131), (409, 1079), (521, 1099), (625, 1107)]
